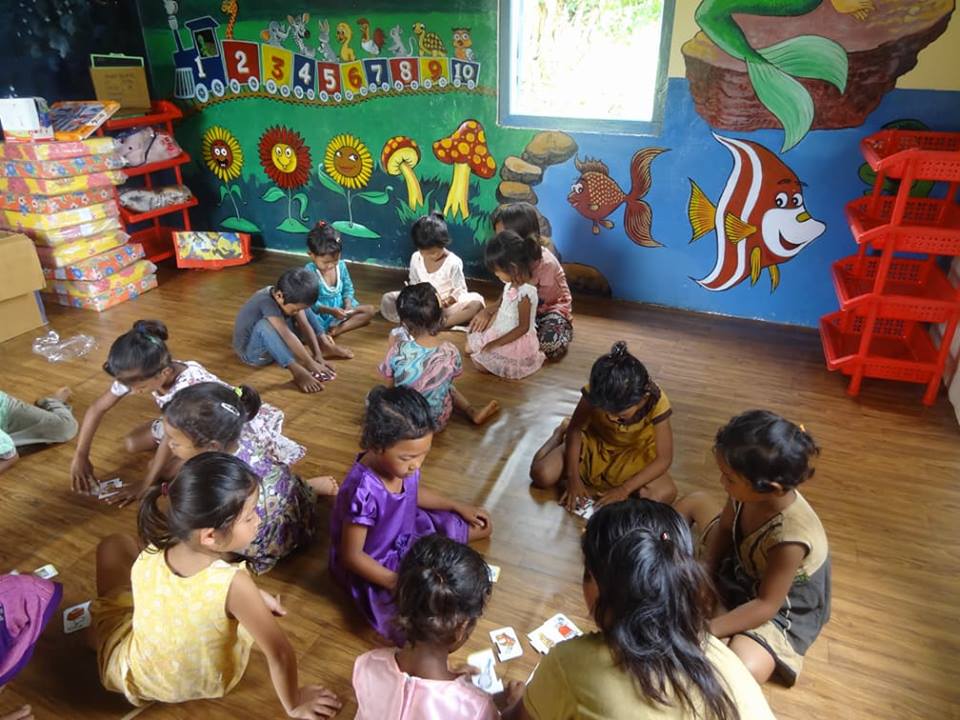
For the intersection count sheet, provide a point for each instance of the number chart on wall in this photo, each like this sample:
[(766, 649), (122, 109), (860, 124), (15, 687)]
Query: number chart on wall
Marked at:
[(288, 62)]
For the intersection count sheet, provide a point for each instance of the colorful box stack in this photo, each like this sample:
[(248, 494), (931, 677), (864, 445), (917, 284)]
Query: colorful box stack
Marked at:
[(61, 194)]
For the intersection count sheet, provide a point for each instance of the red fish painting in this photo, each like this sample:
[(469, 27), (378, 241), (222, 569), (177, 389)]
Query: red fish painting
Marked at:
[(760, 219), (595, 195)]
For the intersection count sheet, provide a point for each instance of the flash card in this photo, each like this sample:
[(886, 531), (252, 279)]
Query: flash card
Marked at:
[(584, 509), (507, 642), (553, 631), (109, 488), (486, 679), (76, 617), (494, 572), (46, 572)]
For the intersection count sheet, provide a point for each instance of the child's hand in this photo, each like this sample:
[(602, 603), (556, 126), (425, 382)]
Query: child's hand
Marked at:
[(127, 494), (314, 701), (448, 302), (481, 321), (510, 695), (339, 314), (273, 603), (612, 496), (81, 472), (474, 515), (575, 493)]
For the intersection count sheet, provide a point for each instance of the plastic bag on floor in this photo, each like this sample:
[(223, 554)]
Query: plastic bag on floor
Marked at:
[(56, 350)]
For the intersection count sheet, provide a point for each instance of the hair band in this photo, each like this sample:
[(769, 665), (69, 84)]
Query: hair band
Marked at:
[(153, 338), (164, 489), (802, 428), (230, 409), (239, 391), (664, 536)]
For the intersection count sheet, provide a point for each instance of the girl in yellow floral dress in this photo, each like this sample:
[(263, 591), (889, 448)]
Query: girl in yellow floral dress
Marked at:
[(176, 622), (618, 442)]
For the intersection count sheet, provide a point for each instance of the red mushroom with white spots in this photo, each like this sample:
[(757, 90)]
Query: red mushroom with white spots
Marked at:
[(466, 149), (400, 155)]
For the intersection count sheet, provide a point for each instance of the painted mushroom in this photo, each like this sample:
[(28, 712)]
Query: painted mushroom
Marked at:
[(466, 149), (400, 156)]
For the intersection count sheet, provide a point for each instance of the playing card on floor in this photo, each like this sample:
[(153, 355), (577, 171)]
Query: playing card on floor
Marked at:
[(507, 642), (109, 488), (46, 572), (553, 631), (494, 572), (77, 617), (486, 679)]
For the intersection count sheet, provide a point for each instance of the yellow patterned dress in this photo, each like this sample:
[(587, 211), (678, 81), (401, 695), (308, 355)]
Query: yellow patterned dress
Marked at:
[(611, 452), (171, 640)]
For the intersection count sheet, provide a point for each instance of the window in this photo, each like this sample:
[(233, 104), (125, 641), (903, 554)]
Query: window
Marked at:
[(588, 65)]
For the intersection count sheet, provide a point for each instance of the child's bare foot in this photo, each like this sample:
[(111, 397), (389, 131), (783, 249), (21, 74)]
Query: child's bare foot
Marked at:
[(305, 380), (323, 485), (479, 417), (25, 712), (62, 394), (338, 351)]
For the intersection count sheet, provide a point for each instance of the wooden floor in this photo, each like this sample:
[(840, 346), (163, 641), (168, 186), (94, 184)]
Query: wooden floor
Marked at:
[(886, 489)]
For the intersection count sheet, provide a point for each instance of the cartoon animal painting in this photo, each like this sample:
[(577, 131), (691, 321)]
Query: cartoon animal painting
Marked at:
[(396, 41), (760, 219), (275, 33), (324, 51), (344, 36), (298, 26), (595, 195), (371, 43), (230, 8), (430, 44), (462, 44)]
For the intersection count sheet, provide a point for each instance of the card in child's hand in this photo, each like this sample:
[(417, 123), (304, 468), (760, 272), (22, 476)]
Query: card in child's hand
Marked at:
[(507, 642), (486, 679), (553, 631), (584, 509), (109, 488), (77, 617), (494, 572), (46, 572)]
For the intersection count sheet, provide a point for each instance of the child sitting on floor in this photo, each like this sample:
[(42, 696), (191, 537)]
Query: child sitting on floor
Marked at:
[(417, 358), (168, 619), (508, 347), (382, 507), (213, 417), (336, 308), (277, 325), (442, 587), (766, 551), (49, 420), (554, 302), (435, 264), (618, 441)]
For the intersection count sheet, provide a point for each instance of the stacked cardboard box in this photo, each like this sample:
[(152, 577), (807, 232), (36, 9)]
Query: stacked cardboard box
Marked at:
[(62, 195), (20, 278)]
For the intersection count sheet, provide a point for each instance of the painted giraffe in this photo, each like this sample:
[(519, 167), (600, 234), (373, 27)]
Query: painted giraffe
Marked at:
[(230, 8)]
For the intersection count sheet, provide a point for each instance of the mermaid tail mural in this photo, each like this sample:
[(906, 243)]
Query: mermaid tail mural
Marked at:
[(773, 69)]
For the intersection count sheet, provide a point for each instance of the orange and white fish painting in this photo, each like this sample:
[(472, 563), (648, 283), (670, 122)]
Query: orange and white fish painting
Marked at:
[(760, 219)]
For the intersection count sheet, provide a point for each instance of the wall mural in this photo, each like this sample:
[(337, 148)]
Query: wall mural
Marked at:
[(285, 159), (802, 64), (224, 158), (760, 220)]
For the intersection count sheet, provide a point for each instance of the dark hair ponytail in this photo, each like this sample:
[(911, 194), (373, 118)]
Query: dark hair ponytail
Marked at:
[(211, 412), (523, 219), (430, 231), (653, 604), (208, 492), (510, 253), (441, 585), (140, 353), (766, 448), (618, 380), (393, 415), (419, 308), (324, 239)]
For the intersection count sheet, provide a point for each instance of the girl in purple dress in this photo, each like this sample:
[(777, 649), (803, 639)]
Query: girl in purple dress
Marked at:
[(382, 509)]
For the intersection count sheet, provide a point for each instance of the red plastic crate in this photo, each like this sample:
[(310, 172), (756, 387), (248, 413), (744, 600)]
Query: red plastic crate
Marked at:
[(929, 225), (899, 349), (933, 155), (913, 289)]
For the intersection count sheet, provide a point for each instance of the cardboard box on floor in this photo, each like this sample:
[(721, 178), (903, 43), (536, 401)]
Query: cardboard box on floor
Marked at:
[(20, 278)]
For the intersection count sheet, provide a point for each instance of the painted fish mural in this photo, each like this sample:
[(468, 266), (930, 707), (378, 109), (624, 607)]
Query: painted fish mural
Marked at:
[(760, 219), (595, 195), (773, 70)]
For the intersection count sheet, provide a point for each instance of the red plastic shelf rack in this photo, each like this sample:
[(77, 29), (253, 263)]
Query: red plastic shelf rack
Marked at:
[(887, 302), (156, 238)]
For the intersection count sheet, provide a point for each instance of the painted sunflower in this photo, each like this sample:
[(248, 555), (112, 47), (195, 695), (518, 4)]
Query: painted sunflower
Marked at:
[(285, 157), (222, 154), (348, 162)]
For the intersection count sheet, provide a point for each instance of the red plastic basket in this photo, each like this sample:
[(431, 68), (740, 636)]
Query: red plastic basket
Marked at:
[(928, 226), (913, 289), (933, 155)]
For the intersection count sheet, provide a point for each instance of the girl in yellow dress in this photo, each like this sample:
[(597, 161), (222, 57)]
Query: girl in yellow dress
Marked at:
[(618, 442), (176, 622)]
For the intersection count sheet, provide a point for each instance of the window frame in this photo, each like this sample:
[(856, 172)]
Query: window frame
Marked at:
[(506, 54)]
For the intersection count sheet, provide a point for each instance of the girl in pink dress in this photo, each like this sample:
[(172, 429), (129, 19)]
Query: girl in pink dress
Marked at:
[(441, 591), (509, 346)]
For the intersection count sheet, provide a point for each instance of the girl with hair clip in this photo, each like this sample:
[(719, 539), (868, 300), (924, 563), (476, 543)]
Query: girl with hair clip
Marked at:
[(382, 507), (618, 442), (554, 303), (442, 588), (140, 362), (766, 551), (175, 621), (508, 347), (653, 657), (213, 417)]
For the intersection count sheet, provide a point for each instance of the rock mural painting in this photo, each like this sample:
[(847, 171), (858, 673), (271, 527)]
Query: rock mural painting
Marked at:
[(804, 64), (760, 219)]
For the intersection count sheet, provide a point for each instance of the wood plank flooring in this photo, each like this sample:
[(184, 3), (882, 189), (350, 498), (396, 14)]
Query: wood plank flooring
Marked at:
[(886, 490)]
